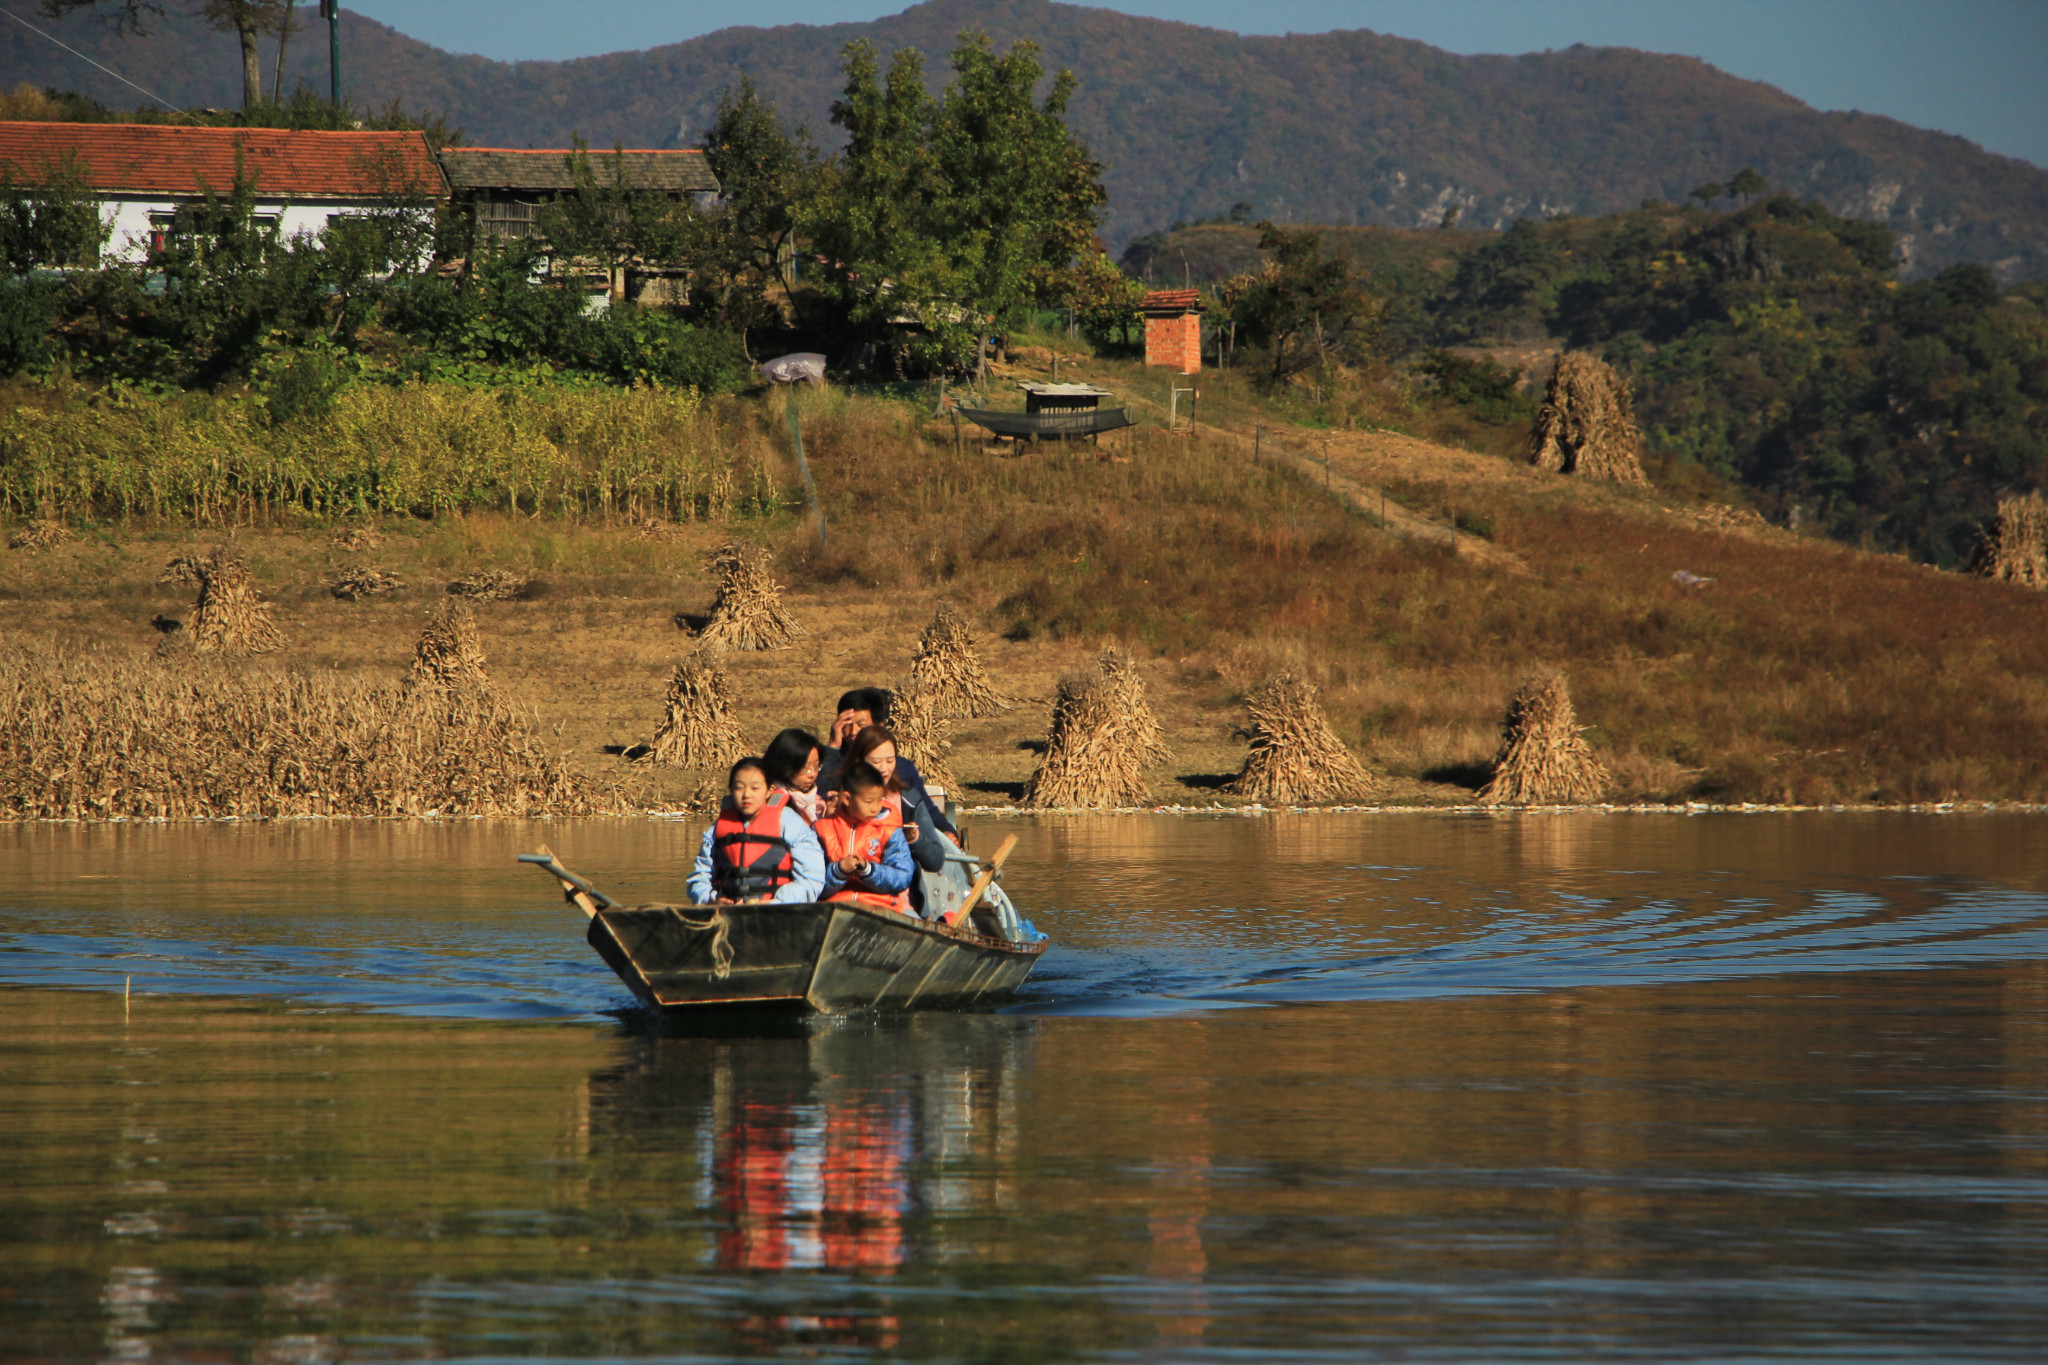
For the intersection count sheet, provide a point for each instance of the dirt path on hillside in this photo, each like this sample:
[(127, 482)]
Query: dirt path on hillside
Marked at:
[(1325, 459)]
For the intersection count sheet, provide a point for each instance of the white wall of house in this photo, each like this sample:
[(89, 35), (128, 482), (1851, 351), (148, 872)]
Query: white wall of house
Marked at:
[(129, 240)]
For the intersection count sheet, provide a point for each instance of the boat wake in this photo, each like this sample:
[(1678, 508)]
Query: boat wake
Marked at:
[(1498, 943)]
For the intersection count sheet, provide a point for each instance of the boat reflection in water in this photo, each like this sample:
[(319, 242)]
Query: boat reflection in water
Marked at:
[(860, 1147)]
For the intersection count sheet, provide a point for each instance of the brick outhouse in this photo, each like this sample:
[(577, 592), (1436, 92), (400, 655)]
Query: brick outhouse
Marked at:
[(1173, 329)]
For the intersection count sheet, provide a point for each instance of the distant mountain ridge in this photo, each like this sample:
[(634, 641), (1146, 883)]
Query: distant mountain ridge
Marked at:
[(1344, 127)]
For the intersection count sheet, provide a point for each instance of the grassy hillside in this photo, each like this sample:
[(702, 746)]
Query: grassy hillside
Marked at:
[(1346, 127), (1769, 345), (1802, 671)]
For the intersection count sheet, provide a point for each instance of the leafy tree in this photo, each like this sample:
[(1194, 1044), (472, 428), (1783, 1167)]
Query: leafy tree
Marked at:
[(52, 222), (606, 220), (1305, 309), (1022, 195), (1105, 301), (1747, 184), (873, 229), (958, 212), (1479, 384), (767, 173)]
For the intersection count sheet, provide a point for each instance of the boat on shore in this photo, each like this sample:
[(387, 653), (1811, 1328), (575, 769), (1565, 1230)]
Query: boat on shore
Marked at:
[(828, 956)]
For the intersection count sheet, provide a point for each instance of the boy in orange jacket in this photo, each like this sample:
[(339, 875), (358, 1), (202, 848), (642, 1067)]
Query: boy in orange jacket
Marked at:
[(867, 857)]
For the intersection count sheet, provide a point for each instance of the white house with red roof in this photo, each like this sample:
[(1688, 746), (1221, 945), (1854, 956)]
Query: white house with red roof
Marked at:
[(144, 173)]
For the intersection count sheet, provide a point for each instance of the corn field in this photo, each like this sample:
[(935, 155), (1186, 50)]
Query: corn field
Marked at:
[(412, 449), (97, 735)]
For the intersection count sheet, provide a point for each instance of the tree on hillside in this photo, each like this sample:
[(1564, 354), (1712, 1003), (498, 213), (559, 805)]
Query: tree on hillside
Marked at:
[(958, 212), (1747, 185), (1304, 309), (872, 227), (604, 220), (1105, 300), (766, 174), (248, 20), (1023, 195)]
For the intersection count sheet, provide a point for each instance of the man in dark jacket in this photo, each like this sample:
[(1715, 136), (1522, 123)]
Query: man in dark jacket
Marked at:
[(862, 707)]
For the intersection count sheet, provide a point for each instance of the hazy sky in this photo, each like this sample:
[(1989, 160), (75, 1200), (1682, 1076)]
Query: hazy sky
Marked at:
[(1974, 67)]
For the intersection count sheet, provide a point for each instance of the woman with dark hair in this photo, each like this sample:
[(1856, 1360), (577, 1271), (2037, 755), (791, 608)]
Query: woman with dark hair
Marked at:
[(792, 763), (922, 824)]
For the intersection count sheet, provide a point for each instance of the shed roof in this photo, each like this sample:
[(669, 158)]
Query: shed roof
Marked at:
[(138, 158), (1064, 390), (506, 168), (1171, 301)]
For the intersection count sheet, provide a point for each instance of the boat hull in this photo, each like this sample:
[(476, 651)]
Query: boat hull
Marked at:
[(830, 957)]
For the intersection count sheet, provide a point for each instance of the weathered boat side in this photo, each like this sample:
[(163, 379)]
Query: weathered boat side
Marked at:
[(833, 956)]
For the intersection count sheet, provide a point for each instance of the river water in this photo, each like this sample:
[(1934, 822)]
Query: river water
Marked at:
[(1406, 1087)]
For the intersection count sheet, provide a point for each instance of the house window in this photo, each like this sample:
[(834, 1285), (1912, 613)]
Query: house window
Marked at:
[(163, 227)]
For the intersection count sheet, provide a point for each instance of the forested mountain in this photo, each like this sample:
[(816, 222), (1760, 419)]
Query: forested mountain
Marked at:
[(1346, 127)]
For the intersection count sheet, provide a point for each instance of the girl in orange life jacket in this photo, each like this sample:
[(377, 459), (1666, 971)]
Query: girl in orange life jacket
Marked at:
[(759, 849), (869, 860)]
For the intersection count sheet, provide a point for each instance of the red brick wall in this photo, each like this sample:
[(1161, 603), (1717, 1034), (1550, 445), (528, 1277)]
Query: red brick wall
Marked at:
[(1175, 342)]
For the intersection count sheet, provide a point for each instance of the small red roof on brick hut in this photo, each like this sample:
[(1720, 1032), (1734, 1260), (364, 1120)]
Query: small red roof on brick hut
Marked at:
[(1167, 302), (145, 159)]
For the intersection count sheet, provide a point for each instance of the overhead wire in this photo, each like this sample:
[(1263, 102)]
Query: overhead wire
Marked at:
[(90, 62)]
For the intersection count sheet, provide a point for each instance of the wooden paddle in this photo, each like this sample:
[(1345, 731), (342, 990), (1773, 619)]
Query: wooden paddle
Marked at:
[(588, 898), (981, 883)]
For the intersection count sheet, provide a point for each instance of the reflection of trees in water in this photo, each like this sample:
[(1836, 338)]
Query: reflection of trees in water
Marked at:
[(858, 1146)]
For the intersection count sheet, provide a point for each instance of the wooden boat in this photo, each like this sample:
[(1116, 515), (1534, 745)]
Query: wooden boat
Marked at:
[(829, 956)]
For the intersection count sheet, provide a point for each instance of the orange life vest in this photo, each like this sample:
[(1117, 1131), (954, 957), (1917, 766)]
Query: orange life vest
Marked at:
[(840, 837), (750, 859)]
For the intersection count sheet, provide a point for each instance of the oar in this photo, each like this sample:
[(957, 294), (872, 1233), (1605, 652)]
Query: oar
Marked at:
[(587, 897), (981, 883)]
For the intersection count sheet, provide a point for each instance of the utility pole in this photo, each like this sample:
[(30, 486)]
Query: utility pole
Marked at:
[(330, 10)]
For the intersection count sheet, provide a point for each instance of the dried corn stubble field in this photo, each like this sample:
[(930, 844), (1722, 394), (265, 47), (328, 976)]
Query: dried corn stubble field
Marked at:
[(1802, 672)]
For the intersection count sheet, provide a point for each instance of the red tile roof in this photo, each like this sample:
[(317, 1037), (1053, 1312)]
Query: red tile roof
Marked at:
[(1171, 301), (152, 159)]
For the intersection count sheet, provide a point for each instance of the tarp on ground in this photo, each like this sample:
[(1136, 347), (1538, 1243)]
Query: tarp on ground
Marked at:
[(805, 367)]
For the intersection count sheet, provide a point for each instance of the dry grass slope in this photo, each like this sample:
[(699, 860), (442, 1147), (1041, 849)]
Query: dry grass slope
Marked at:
[(1587, 425), (1544, 760), (1295, 755)]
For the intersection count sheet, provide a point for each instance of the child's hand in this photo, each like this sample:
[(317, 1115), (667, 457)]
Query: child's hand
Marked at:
[(910, 833)]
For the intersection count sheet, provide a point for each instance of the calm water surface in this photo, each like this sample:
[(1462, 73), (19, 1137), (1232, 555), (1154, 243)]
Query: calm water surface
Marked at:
[(1317, 1087)]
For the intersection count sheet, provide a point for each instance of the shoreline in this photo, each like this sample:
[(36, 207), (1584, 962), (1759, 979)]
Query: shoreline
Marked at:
[(1946, 808)]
